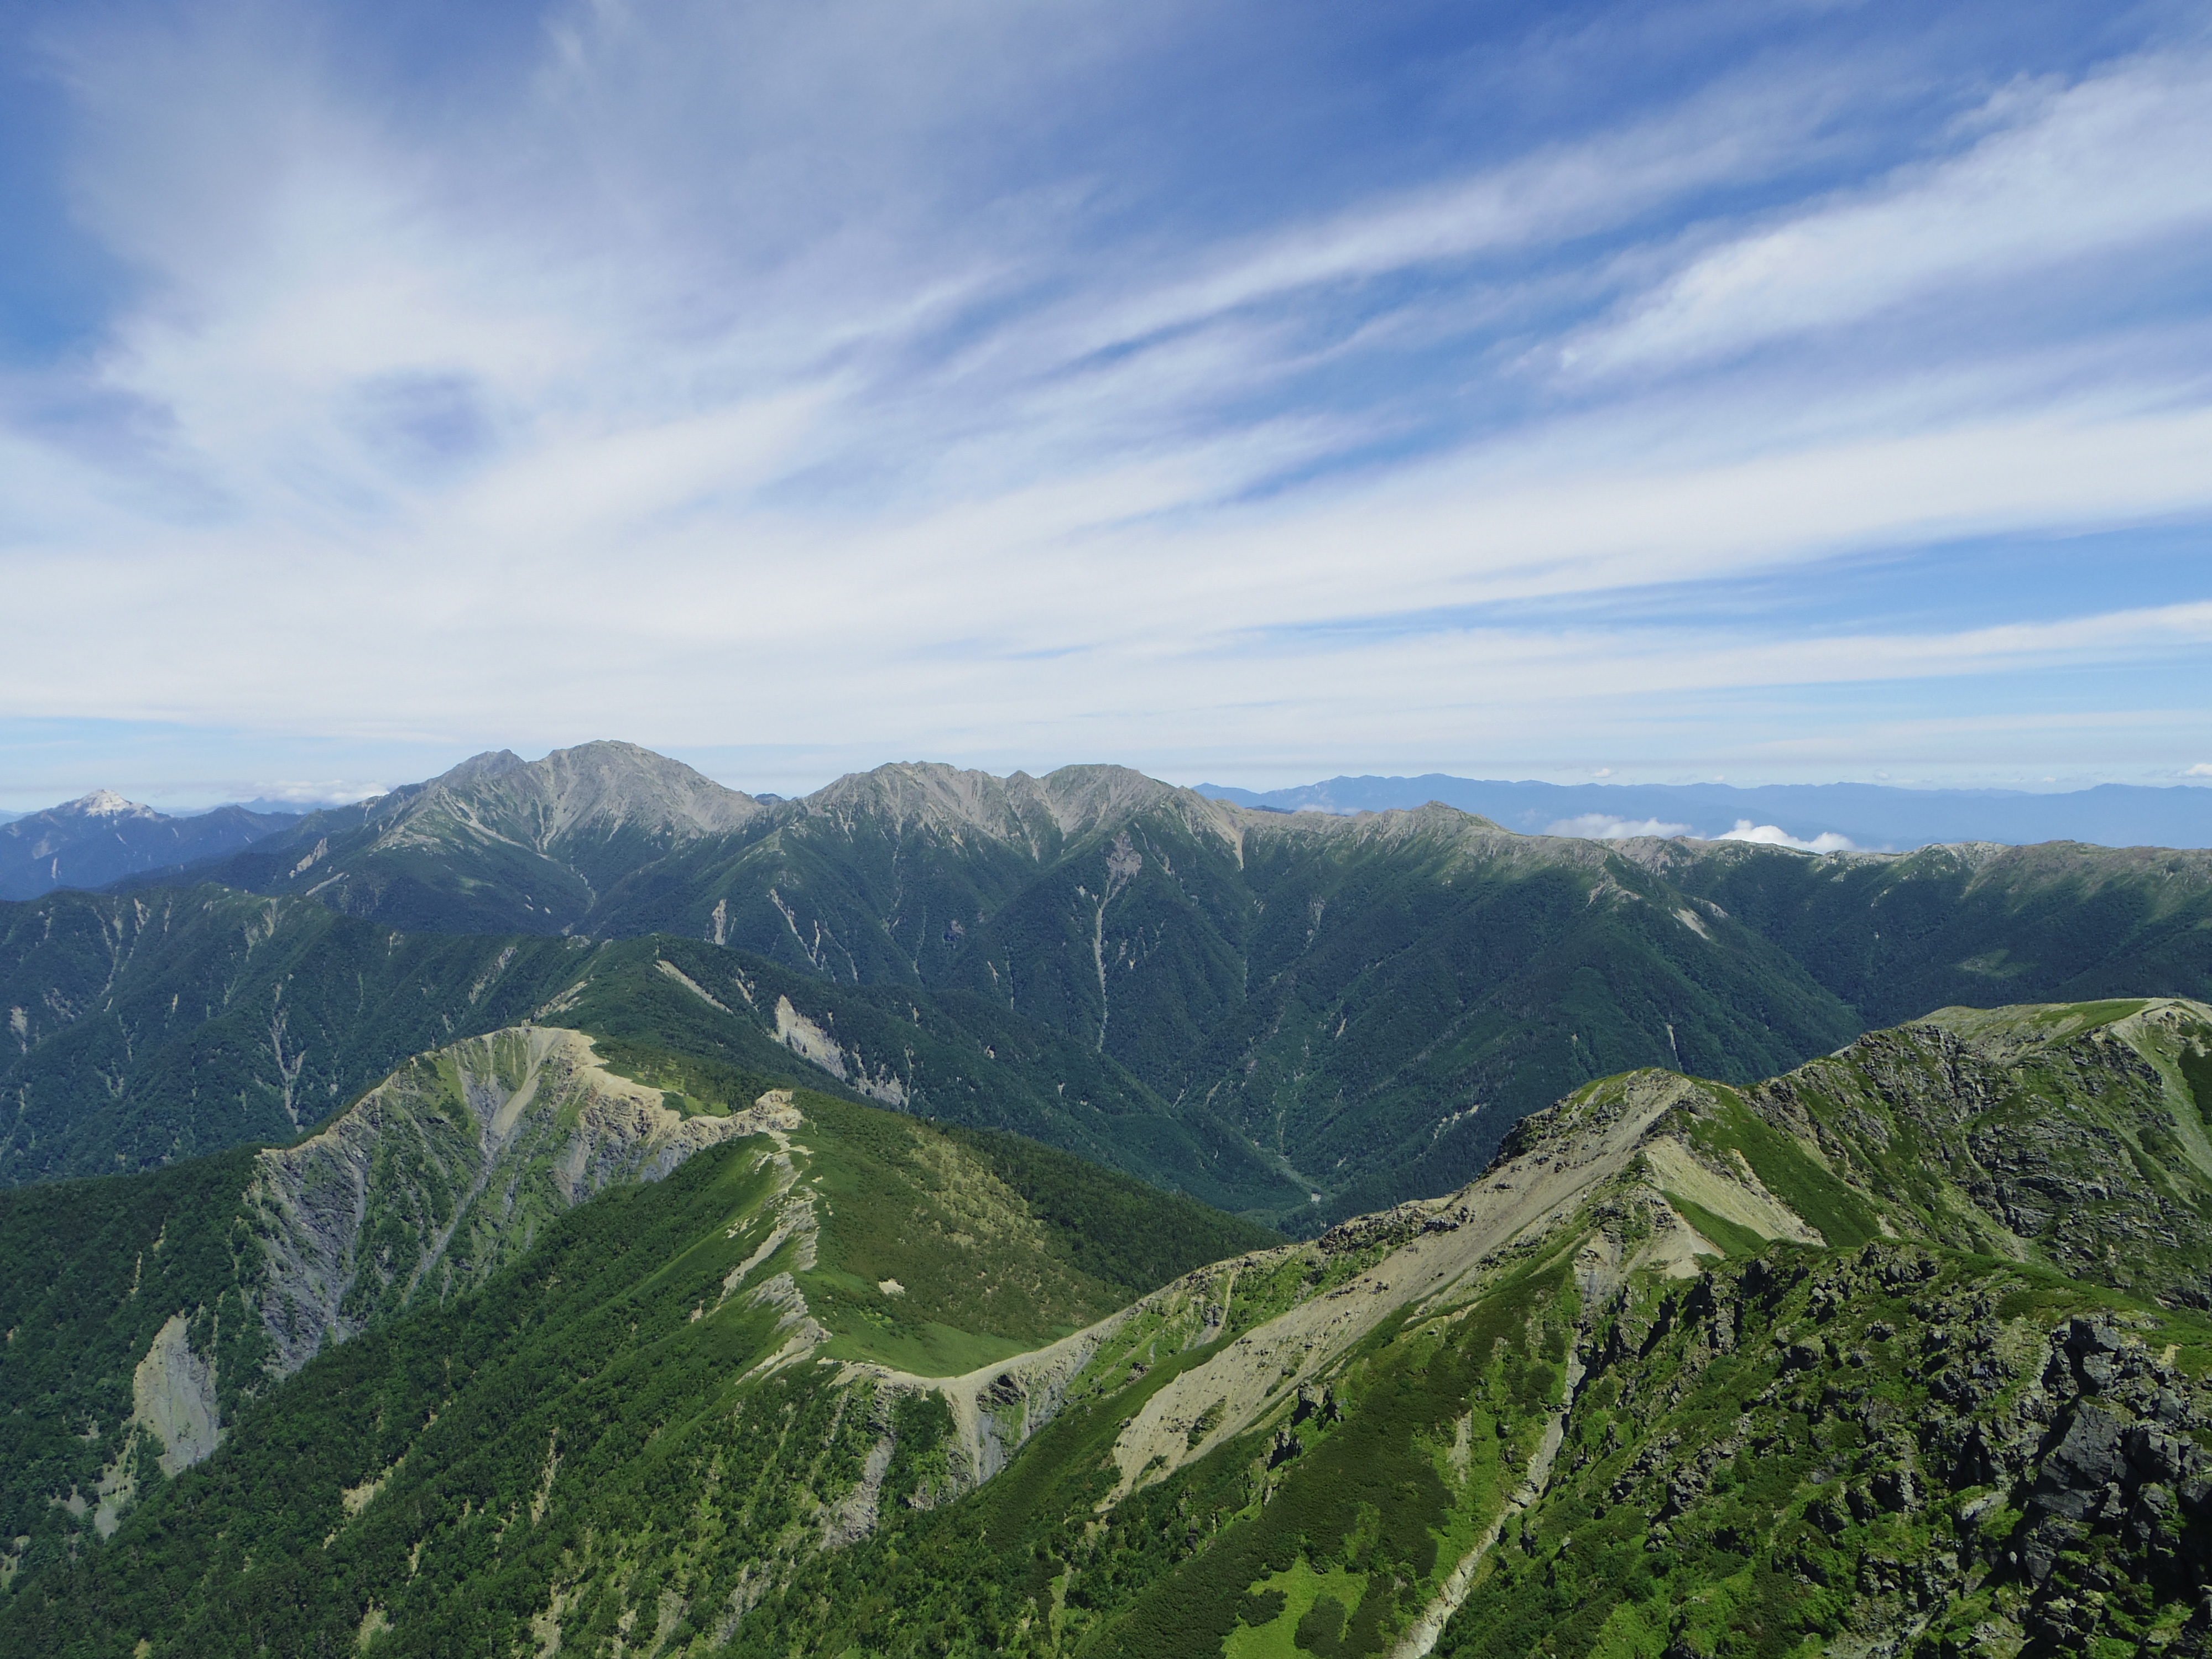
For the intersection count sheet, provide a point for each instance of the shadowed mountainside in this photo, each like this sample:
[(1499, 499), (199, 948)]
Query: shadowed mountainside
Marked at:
[(165, 1024)]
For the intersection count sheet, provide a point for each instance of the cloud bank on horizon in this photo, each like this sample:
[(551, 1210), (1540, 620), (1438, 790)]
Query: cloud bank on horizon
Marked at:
[(1607, 826), (1792, 391)]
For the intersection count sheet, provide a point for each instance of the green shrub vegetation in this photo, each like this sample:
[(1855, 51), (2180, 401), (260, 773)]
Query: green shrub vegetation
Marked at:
[(794, 1398)]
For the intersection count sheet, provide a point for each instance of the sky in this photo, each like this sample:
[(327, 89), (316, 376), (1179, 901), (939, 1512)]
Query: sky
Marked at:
[(1791, 391)]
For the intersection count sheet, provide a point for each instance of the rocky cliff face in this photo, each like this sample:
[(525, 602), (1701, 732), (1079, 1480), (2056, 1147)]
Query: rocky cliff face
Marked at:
[(445, 1173), (1887, 1452), (2074, 1134), (415, 1195)]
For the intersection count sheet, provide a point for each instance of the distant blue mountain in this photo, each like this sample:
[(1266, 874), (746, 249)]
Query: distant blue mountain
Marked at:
[(1871, 815), (94, 840)]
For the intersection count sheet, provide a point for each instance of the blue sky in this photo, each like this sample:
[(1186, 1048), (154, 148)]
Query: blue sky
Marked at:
[(1256, 392)]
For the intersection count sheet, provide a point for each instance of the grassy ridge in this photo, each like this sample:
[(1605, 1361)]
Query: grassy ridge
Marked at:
[(1784, 1166), (1111, 1226), (590, 1405), (1792, 1448)]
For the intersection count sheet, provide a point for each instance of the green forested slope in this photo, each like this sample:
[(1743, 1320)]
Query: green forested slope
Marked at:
[(176, 1022), (146, 1312), (1897, 935), (948, 1055), (90, 1272), (623, 1351), (155, 1026), (1694, 1370)]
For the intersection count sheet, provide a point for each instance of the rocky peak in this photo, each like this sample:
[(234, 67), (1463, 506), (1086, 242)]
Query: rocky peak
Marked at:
[(477, 768), (933, 795), (602, 785), (106, 804), (621, 783), (1072, 802)]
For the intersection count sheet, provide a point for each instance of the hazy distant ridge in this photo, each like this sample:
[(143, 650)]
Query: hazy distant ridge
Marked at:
[(100, 838), (1871, 814)]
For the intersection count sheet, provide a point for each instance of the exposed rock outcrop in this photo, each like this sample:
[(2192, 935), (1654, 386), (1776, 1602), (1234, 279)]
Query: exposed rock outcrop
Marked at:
[(447, 1171)]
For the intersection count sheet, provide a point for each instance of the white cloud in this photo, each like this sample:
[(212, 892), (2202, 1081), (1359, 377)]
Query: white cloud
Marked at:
[(1730, 134), (2093, 169), (1603, 826), (1768, 835), (334, 792), (703, 388), (2202, 769)]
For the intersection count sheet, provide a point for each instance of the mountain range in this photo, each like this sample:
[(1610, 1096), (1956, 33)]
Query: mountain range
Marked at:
[(1878, 816), (571, 1207), (1320, 1014), (1901, 1351), (101, 837)]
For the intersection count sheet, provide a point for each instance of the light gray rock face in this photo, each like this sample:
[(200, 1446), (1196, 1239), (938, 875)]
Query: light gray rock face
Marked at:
[(445, 1172), (606, 787), (431, 1182), (172, 1395)]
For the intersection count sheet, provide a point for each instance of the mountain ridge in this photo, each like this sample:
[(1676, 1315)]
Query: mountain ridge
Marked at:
[(1689, 1370), (1367, 1001), (429, 1187)]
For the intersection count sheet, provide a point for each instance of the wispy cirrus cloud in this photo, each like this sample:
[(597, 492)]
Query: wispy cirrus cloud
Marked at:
[(2089, 171), (708, 340)]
